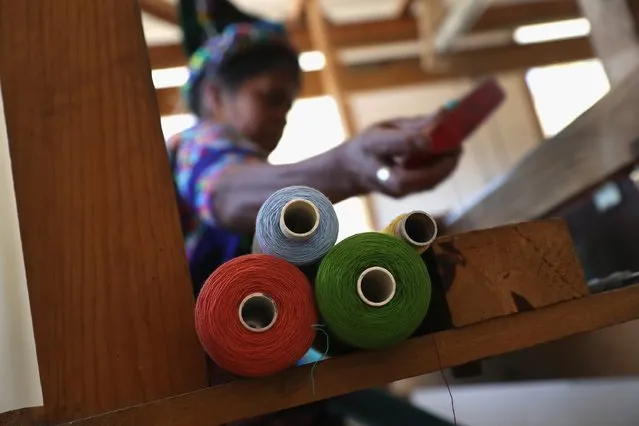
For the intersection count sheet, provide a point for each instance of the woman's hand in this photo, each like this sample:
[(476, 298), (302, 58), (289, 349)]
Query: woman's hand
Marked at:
[(373, 159)]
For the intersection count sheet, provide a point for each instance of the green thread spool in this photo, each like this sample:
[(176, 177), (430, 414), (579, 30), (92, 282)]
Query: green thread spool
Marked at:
[(372, 290)]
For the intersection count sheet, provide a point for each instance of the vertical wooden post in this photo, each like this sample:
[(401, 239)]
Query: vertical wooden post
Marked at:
[(613, 36), (108, 280), (332, 77)]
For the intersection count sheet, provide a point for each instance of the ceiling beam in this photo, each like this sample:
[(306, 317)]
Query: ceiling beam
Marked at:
[(497, 17), (160, 9), (403, 8), (458, 19), (409, 72), (397, 30)]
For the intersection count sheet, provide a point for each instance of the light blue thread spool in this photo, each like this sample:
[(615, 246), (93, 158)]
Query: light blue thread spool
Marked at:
[(297, 224)]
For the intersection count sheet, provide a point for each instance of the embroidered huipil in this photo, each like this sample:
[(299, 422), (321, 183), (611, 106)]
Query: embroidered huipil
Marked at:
[(199, 156)]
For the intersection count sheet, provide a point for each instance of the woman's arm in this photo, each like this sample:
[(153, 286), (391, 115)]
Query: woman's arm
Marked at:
[(242, 189), (345, 171)]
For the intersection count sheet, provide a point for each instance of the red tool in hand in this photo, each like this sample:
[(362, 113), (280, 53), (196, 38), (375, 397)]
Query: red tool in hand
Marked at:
[(457, 120)]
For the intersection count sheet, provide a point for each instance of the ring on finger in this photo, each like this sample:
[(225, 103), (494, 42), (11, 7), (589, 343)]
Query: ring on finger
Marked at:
[(383, 174)]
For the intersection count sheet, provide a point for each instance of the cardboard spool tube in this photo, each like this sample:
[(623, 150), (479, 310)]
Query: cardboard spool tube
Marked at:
[(418, 229), (376, 286), (299, 219), (257, 312)]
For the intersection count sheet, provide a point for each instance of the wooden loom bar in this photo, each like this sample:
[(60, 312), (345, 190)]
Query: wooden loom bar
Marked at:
[(364, 370), (599, 144), (108, 280)]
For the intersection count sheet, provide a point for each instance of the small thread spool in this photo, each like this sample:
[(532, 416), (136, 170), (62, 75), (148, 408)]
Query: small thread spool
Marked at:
[(376, 286), (372, 290), (255, 315), (297, 224), (417, 228)]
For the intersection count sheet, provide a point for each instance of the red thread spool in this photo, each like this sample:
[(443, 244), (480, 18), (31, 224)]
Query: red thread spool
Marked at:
[(255, 315)]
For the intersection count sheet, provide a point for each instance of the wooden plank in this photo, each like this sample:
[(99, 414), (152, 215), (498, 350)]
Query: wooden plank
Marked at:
[(599, 144), (483, 279), (614, 36), (108, 281), (369, 369), (408, 71)]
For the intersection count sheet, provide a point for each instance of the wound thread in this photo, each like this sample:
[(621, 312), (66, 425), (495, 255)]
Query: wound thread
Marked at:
[(297, 224), (386, 263), (255, 315)]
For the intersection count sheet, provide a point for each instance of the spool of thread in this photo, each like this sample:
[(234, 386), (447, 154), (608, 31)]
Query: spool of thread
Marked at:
[(372, 290), (417, 228), (297, 224), (255, 315)]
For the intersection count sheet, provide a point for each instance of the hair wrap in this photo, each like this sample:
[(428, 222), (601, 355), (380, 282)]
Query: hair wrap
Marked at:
[(231, 32)]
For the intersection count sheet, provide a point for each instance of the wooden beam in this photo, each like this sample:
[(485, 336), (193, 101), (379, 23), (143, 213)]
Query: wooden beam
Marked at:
[(599, 144), (498, 17), (460, 17), (515, 14), (408, 72), (167, 56), (108, 281), (403, 8), (614, 36), (160, 9), (332, 81), (297, 14), (397, 30), (369, 369), (331, 74)]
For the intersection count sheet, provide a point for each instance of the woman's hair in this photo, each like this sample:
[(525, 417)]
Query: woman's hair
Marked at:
[(229, 59), (246, 65)]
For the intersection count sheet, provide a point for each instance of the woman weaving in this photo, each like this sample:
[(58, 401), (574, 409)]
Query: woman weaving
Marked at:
[(243, 80)]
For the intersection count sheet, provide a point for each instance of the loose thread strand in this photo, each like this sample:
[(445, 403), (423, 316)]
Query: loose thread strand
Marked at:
[(441, 370), (320, 328)]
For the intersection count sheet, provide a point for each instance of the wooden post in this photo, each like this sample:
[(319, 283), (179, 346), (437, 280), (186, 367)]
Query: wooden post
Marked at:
[(613, 36), (108, 281), (331, 77)]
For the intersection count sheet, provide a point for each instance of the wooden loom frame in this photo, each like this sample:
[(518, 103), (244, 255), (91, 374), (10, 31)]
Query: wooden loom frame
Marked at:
[(108, 280)]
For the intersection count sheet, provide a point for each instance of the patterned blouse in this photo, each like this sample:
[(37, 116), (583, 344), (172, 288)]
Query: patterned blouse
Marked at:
[(199, 156)]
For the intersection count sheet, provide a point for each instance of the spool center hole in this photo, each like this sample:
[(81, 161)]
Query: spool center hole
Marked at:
[(258, 312), (419, 228), (300, 217), (378, 286)]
